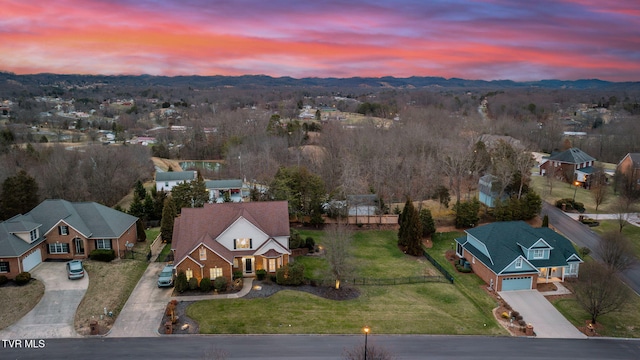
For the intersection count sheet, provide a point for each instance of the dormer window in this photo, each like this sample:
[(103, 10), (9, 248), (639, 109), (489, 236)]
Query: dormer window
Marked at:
[(538, 254), (203, 253), (63, 230), (518, 263), (243, 243), (34, 235)]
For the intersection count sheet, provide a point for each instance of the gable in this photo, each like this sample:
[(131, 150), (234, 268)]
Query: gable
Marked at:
[(242, 229), (524, 266)]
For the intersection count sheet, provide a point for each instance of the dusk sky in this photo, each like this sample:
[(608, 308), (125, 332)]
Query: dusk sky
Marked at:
[(472, 39)]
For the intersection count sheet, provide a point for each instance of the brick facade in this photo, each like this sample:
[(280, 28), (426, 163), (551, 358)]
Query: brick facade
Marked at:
[(487, 274)]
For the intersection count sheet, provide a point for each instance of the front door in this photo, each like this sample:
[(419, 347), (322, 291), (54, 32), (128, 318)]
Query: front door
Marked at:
[(79, 246), (248, 265)]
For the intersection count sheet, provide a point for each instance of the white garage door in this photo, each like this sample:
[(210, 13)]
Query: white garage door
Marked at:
[(31, 260), (516, 283)]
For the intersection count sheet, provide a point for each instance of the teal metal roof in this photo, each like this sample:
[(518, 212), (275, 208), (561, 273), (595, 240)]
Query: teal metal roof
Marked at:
[(176, 175), (504, 242), (223, 184)]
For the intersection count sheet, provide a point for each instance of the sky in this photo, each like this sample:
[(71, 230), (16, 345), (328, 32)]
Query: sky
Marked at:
[(519, 40)]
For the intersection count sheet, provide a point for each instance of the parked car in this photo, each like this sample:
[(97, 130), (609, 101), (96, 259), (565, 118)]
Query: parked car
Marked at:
[(166, 277), (75, 270)]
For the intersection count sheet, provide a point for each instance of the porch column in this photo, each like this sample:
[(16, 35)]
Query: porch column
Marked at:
[(547, 272), (563, 273)]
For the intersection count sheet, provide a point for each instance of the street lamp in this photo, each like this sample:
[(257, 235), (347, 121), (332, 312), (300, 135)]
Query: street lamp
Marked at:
[(366, 332), (576, 184)]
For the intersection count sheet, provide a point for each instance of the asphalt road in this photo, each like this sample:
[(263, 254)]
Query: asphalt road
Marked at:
[(583, 236), (318, 347)]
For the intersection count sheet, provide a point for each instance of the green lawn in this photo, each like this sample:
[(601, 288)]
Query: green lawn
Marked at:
[(625, 323), (431, 308), (563, 190), (632, 232)]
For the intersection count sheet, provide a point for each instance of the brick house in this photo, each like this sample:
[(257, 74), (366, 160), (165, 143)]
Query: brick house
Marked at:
[(512, 255), (218, 239), (630, 167), (62, 230), (570, 165)]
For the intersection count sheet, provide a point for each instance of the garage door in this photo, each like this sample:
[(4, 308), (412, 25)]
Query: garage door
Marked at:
[(516, 283), (31, 260)]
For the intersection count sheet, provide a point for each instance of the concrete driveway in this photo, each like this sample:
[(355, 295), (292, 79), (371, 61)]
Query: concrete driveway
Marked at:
[(54, 315), (537, 310), (142, 313)]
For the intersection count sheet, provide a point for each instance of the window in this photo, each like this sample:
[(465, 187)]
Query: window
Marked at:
[(103, 244), (236, 262), (189, 274), (58, 248), (459, 249), (79, 245), (215, 273), (166, 183), (272, 265), (573, 269), (203, 253), (243, 243), (4, 267), (519, 263), (63, 230), (538, 253), (34, 235)]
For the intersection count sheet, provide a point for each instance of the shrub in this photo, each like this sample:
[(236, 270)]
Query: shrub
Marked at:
[(519, 317), (463, 269), (570, 204), (310, 243), (205, 284), (105, 255), (220, 283), (237, 274), (3, 280), (505, 315), (193, 283), (290, 274), (584, 251), (181, 284), (261, 274), (515, 314), (23, 278), (522, 323)]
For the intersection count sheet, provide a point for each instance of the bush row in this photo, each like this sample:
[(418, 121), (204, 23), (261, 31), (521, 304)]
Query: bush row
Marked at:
[(182, 284)]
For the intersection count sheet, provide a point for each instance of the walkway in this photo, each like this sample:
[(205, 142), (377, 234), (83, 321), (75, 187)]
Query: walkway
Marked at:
[(537, 310), (247, 284), (54, 315)]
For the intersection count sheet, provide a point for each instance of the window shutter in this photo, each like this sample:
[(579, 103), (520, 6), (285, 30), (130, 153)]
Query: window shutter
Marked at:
[(48, 248), (8, 266), (250, 243), (234, 243), (59, 230)]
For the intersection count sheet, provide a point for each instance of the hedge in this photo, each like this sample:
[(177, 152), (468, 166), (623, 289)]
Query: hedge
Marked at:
[(105, 255)]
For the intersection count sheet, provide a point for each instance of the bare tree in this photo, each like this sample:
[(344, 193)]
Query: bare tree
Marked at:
[(524, 161), (456, 161), (599, 189), (623, 207), (598, 290), (337, 243), (616, 251), (373, 353)]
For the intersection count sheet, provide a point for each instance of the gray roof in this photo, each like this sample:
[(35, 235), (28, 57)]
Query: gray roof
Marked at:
[(10, 244), (223, 184), (572, 156), (176, 175), (92, 220), (503, 241), (635, 159)]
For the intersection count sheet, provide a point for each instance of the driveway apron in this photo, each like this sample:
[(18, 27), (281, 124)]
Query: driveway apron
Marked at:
[(537, 310), (54, 315), (142, 313)]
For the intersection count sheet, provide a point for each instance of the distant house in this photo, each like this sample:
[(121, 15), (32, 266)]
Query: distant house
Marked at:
[(512, 255), (488, 192), (166, 180), (220, 239), (218, 188), (569, 165), (62, 230), (363, 205), (630, 167)]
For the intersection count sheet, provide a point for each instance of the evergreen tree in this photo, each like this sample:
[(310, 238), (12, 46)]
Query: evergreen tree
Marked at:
[(168, 218), (139, 190), (467, 213), (142, 235), (414, 232), (428, 225), (19, 195), (402, 219), (158, 203), (545, 221)]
